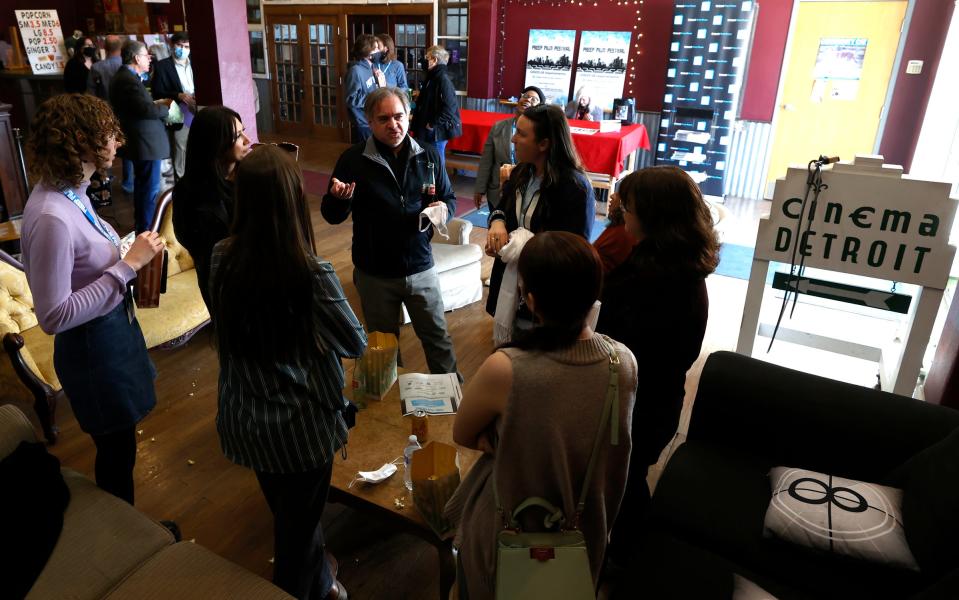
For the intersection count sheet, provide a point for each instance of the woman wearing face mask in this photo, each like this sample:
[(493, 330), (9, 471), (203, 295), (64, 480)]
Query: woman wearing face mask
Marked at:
[(362, 77), (581, 107), (546, 191), (77, 71), (498, 150), (79, 282), (203, 197), (393, 70), (436, 117)]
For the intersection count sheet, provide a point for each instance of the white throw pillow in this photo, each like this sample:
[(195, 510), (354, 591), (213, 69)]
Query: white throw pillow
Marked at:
[(834, 514)]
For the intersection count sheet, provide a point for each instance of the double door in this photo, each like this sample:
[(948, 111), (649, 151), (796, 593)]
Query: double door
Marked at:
[(410, 33)]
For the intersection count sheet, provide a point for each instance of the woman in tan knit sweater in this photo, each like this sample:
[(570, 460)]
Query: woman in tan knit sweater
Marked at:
[(534, 408)]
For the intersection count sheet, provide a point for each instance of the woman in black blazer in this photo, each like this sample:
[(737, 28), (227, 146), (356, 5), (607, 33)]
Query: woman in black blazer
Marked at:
[(203, 197), (547, 191)]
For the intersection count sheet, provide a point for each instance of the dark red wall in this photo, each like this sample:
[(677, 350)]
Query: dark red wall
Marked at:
[(656, 27), (766, 60), (925, 39)]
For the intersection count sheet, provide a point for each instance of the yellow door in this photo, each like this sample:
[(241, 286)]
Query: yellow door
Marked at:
[(836, 80)]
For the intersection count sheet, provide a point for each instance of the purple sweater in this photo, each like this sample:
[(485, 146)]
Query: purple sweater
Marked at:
[(75, 273)]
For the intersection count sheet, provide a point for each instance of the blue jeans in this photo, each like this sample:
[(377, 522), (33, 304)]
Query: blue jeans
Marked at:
[(441, 150), (127, 174), (146, 187)]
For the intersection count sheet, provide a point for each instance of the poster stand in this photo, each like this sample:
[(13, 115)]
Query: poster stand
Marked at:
[(870, 221)]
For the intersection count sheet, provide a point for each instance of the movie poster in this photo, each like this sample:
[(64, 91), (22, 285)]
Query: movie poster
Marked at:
[(43, 40), (601, 65), (549, 62)]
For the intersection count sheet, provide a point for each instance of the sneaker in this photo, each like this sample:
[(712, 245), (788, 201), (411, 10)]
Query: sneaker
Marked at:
[(337, 592)]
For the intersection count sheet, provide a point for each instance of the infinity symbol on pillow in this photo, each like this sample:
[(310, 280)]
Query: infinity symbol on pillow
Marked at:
[(822, 493)]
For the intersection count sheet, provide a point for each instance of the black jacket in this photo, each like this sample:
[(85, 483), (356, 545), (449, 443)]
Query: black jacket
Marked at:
[(437, 107), (140, 119), (165, 82), (387, 241), (659, 314), (566, 205), (75, 76), (202, 213)]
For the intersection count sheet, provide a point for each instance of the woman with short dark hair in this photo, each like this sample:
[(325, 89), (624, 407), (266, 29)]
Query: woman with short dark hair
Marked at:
[(389, 65), (657, 304), (535, 409), (282, 326), (203, 197), (80, 285)]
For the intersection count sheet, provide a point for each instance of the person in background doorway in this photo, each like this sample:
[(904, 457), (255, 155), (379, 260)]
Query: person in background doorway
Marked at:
[(77, 71), (101, 74), (436, 117), (498, 150), (173, 79), (362, 77), (657, 304), (142, 121), (80, 283), (581, 107), (280, 397), (203, 197), (392, 69)]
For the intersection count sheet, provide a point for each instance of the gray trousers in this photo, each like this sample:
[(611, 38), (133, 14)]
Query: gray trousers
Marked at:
[(381, 298), (178, 149)]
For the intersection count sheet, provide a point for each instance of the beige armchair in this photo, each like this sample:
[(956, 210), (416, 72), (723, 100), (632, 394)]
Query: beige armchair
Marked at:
[(29, 375)]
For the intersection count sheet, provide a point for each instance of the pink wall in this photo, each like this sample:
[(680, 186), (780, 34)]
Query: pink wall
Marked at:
[(221, 57), (924, 41), (656, 27)]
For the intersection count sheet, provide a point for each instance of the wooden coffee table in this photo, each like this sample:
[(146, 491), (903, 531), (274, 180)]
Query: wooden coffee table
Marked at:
[(380, 435)]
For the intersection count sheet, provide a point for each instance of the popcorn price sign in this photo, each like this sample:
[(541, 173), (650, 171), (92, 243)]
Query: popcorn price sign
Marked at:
[(43, 39)]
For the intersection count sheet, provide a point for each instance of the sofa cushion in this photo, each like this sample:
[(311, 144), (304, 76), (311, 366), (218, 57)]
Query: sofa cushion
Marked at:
[(840, 515), (716, 498), (38, 353), (16, 301), (186, 570), (447, 256), (929, 507), (181, 310), (103, 539)]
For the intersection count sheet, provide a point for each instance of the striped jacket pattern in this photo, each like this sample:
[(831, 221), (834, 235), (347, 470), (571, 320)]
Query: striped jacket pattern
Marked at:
[(286, 417)]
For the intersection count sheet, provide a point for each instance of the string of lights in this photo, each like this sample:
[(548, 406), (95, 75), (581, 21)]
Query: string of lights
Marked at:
[(636, 40)]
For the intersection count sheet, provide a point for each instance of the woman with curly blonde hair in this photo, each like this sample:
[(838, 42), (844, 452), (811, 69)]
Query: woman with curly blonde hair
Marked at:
[(80, 284)]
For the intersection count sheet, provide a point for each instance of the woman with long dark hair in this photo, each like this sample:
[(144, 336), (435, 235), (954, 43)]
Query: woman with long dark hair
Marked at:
[(657, 304), (80, 283), (547, 191), (203, 197), (76, 72), (534, 408), (281, 406)]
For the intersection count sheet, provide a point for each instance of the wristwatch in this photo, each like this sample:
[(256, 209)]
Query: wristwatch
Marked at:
[(496, 214)]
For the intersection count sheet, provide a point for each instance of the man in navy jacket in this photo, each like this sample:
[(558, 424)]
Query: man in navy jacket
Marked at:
[(386, 182)]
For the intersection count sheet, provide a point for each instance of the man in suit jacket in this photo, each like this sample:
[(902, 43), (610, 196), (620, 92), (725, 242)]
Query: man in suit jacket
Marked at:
[(173, 79), (142, 122), (498, 150)]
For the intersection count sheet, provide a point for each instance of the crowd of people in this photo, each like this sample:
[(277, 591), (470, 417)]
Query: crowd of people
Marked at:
[(584, 333)]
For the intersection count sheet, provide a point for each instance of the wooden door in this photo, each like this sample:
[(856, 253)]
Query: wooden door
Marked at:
[(835, 81), (411, 33), (306, 78)]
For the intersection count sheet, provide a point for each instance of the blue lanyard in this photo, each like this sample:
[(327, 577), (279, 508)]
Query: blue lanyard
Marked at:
[(72, 197), (512, 146)]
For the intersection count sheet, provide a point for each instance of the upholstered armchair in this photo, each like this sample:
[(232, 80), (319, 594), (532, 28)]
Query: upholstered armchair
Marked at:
[(29, 375)]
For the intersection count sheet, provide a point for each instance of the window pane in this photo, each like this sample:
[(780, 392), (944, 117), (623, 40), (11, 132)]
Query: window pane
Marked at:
[(257, 54), (456, 68), (253, 15)]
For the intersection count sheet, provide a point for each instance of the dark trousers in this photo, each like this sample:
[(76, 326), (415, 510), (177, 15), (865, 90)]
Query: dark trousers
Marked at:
[(146, 188), (296, 501), (116, 455)]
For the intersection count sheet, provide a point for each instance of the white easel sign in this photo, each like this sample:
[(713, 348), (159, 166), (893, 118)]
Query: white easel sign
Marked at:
[(869, 221), (43, 40)]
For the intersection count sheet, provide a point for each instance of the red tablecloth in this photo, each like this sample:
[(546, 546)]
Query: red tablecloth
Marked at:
[(600, 152)]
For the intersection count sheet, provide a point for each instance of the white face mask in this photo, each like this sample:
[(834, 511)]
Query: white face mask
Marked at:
[(377, 476)]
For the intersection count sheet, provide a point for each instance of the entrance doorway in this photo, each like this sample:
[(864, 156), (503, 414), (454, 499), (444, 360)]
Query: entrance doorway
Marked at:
[(835, 81)]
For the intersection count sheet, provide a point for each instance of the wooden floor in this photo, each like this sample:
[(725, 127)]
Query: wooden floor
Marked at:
[(181, 473)]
